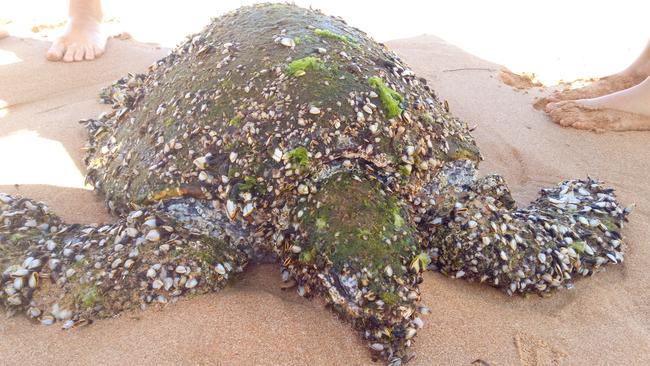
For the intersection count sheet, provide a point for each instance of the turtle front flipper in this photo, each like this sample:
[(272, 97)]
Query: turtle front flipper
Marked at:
[(71, 273), (351, 243), (568, 232)]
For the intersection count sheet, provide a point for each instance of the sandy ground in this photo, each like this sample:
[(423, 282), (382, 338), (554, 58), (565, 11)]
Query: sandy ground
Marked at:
[(604, 320)]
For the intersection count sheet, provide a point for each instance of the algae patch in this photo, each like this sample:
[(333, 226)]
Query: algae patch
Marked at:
[(357, 222), (250, 185), (236, 120), (390, 99), (89, 296), (420, 262), (169, 121), (579, 246), (301, 66), (327, 34), (299, 156), (389, 298)]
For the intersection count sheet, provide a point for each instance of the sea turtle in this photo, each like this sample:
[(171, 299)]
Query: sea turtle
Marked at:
[(279, 133)]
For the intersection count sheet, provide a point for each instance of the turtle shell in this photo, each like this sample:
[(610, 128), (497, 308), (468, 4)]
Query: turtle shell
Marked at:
[(261, 98)]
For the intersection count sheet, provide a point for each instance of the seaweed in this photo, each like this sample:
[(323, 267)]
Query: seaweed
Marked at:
[(324, 33), (390, 99), (299, 156), (301, 66)]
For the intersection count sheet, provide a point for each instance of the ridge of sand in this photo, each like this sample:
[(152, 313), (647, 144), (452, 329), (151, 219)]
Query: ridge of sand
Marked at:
[(604, 320), (519, 81)]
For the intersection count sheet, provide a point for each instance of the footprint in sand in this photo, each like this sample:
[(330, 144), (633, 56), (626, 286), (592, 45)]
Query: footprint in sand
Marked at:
[(534, 351)]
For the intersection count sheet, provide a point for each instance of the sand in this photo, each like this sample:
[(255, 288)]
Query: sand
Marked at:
[(603, 320)]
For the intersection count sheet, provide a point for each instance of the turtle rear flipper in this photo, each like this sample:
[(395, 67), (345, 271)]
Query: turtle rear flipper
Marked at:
[(69, 272), (568, 232)]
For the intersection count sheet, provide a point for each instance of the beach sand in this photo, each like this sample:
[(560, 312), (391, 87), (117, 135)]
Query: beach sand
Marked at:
[(603, 320)]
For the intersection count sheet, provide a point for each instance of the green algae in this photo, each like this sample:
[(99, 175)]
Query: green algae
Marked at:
[(389, 298), (89, 296), (299, 156), (211, 250), (462, 150), (236, 120), (579, 246), (206, 257), (302, 65), (463, 154), (427, 118), (404, 171), (308, 38), (30, 234), (308, 256), (398, 220), (16, 237), (420, 262), (609, 224), (327, 34), (250, 185), (356, 224), (233, 171), (321, 223), (168, 122), (390, 99)]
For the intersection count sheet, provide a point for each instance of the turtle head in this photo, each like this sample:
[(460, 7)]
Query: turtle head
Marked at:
[(353, 234)]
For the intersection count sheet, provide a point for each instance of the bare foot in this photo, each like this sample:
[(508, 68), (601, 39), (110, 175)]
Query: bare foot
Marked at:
[(3, 31), (82, 40), (603, 86), (625, 110)]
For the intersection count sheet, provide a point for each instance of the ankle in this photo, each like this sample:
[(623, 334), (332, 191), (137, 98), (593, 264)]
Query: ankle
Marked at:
[(84, 21), (639, 69), (644, 70)]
